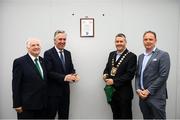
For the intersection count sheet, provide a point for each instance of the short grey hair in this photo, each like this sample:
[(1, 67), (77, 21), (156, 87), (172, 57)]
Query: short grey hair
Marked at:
[(57, 32), (121, 35)]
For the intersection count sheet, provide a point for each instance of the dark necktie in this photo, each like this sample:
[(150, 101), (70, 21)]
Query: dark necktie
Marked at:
[(38, 67), (62, 59)]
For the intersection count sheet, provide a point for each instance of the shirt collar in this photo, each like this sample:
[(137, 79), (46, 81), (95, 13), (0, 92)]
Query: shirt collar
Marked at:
[(58, 49), (147, 54), (120, 53), (32, 57)]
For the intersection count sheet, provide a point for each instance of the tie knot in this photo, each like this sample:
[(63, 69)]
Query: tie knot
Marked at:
[(36, 59), (60, 51)]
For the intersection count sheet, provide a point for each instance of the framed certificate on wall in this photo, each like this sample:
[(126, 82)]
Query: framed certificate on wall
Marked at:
[(87, 27)]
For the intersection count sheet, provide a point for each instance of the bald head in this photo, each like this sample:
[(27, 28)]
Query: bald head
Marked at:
[(32, 40), (33, 46)]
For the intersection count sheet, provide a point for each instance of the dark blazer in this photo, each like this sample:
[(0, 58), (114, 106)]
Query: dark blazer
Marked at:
[(56, 73), (28, 87), (125, 74)]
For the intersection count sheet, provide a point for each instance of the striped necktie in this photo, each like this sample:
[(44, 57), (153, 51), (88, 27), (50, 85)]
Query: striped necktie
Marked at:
[(62, 59)]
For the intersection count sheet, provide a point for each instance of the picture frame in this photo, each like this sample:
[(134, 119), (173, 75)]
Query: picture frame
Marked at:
[(87, 27)]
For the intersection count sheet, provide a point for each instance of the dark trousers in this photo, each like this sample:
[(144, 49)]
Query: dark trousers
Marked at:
[(60, 105), (32, 114), (122, 109), (153, 108)]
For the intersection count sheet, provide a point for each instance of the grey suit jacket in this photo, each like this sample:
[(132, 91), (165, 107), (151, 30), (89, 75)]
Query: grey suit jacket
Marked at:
[(155, 74)]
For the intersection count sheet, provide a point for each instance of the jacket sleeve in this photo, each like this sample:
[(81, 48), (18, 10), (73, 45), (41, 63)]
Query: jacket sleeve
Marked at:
[(16, 83), (108, 65), (137, 76), (72, 70), (164, 67)]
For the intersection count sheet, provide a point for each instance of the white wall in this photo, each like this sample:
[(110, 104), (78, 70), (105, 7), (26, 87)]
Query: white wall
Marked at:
[(20, 19), (178, 75)]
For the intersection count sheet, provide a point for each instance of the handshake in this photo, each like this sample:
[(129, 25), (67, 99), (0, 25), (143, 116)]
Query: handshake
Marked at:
[(72, 77)]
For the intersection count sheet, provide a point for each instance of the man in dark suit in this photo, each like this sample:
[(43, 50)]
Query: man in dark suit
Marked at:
[(152, 74), (119, 72), (60, 73), (29, 83)]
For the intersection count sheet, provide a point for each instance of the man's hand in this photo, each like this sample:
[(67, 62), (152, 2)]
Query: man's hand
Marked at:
[(143, 94), (19, 110), (109, 82), (72, 77), (105, 76), (76, 77)]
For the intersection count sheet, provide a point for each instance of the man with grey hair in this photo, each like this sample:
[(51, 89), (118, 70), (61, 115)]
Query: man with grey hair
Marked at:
[(61, 72), (29, 83)]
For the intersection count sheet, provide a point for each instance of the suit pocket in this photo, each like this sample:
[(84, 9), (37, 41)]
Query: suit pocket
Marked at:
[(153, 66)]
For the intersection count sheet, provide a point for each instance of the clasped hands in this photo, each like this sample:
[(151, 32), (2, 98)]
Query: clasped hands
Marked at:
[(143, 94), (72, 78), (108, 81)]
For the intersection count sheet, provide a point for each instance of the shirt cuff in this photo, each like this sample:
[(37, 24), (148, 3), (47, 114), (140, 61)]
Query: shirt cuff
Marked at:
[(65, 78), (148, 91), (138, 90)]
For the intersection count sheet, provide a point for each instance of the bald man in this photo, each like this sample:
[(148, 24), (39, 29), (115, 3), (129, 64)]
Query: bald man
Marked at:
[(29, 83)]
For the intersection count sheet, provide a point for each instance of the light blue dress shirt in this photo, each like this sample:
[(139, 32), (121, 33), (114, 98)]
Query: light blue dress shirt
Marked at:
[(118, 55), (147, 56)]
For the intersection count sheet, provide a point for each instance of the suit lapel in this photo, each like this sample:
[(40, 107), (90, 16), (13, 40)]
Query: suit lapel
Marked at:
[(65, 57), (116, 62), (140, 62), (58, 58), (31, 63), (151, 58)]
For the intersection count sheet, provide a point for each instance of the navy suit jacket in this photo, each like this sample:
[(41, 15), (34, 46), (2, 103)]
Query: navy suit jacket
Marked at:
[(155, 74), (125, 74), (28, 87), (56, 73)]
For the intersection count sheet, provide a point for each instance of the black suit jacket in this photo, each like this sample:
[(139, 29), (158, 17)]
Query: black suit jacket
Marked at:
[(125, 74), (29, 89), (56, 74)]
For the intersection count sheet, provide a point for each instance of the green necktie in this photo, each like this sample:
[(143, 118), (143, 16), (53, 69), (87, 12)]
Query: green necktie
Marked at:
[(38, 67)]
